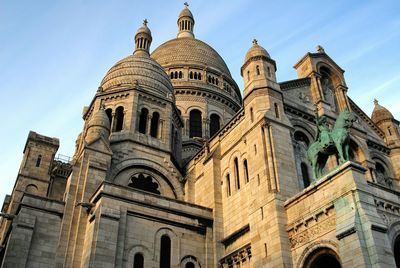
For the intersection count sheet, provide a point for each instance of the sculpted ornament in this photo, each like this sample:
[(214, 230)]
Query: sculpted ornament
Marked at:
[(329, 141)]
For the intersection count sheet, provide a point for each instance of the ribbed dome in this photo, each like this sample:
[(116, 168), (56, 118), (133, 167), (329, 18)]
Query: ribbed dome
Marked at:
[(380, 113), (142, 71), (256, 50), (185, 51), (100, 119)]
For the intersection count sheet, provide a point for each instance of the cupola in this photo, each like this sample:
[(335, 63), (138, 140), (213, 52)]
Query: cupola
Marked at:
[(143, 40), (258, 69), (185, 22)]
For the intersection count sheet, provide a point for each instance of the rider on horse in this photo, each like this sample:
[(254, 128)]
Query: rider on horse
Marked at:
[(323, 131)]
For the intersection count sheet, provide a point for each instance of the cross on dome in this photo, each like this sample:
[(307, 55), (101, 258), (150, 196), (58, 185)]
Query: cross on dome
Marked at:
[(255, 42), (186, 4), (145, 21)]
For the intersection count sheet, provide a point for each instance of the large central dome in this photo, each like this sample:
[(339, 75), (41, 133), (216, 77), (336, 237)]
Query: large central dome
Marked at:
[(187, 50), (206, 95)]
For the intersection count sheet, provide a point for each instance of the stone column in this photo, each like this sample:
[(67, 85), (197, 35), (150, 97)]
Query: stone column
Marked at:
[(148, 125)]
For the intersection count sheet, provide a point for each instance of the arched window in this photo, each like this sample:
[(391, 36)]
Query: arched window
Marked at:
[(269, 71), (144, 182), (276, 110), (189, 265), (180, 75), (216, 81), (251, 114), (138, 261), (214, 124), (301, 137), (213, 80), (165, 252), (143, 120), (199, 76), (304, 174), (396, 251), (258, 70), (38, 160), (248, 75), (195, 75), (246, 170), (191, 75), (209, 79), (195, 125), (119, 117), (109, 114), (228, 185), (154, 124), (236, 164)]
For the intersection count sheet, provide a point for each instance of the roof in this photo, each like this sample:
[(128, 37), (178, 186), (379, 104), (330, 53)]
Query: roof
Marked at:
[(189, 51)]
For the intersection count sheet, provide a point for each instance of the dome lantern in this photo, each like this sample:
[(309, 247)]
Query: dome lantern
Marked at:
[(185, 23), (143, 40)]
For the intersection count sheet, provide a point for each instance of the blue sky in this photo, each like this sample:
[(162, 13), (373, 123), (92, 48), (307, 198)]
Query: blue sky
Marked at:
[(53, 54)]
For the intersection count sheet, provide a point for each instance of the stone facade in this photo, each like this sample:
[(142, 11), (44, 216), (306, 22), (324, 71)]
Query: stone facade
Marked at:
[(173, 168)]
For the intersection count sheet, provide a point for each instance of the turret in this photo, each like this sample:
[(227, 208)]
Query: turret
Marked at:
[(258, 69), (185, 23), (98, 126), (386, 122), (143, 40), (384, 119)]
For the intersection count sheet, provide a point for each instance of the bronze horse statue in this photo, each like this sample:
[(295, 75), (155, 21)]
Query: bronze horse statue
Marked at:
[(328, 140)]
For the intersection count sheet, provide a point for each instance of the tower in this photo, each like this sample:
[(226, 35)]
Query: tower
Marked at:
[(384, 119), (328, 86)]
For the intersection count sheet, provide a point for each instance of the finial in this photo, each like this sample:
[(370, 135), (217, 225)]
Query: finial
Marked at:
[(186, 4), (255, 42), (376, 102), (145, 21), (320, 49)]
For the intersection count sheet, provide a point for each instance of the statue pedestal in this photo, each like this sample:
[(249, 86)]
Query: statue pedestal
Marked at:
[(338, 212)]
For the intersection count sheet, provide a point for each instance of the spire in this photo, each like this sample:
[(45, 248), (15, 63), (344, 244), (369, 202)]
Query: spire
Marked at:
[(143, 40), (185, 22)]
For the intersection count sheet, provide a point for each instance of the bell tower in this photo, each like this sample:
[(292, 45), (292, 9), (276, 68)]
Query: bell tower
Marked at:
[(328, 87)]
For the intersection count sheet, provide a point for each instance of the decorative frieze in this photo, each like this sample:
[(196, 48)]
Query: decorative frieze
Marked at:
[(312, 227), (389, 212), (234, 259)]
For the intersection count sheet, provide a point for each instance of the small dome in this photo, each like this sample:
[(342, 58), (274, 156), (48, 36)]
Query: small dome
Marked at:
[(100, 119), (380, 113), (144, 29), (138, 71), (185, 12), (256, 50)]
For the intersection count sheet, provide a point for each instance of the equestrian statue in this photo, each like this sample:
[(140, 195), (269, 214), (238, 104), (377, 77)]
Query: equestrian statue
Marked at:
[(330, 142)]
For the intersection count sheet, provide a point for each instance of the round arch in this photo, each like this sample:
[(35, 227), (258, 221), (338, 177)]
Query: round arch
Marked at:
[(190, 259), (152, 166), (394, 238), (318, 249), (335, 75), (130, 253)]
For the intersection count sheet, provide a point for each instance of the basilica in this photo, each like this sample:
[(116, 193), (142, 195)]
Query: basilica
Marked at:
[(176, 166)]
